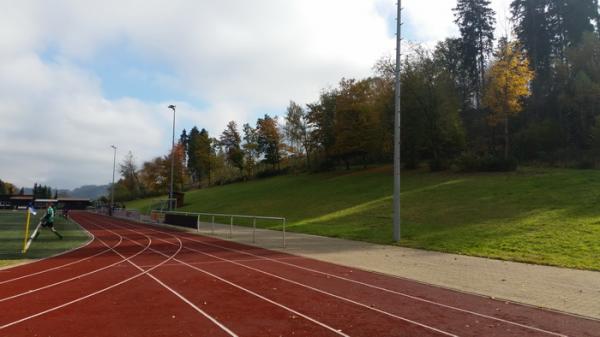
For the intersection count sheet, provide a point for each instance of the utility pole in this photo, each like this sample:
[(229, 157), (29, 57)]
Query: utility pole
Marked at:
[(172, 107), (397, 125), (112, 186)]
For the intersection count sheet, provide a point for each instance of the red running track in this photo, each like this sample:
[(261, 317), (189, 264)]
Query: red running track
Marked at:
[(140, 280)]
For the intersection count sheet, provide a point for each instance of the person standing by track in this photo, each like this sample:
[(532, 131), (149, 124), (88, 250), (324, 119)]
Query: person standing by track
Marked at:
[(48, 222)]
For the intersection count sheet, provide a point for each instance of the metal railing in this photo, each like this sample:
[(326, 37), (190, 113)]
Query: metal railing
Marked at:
[(231, 217)]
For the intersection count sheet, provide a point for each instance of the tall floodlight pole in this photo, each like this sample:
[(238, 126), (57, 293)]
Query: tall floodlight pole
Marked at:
[(397, 125), (172, 107), (112, 186)]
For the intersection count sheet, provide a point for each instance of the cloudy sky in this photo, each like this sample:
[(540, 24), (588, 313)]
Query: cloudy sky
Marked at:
[(79, 75)]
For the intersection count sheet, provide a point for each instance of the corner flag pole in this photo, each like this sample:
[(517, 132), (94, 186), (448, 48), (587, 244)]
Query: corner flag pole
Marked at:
[(27, 239), (26, 231), (397, 126)]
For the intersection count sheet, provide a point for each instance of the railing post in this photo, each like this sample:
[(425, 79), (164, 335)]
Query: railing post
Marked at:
[(283, 232), (212, 225), (254, 230), (198, 224), (231, 228)]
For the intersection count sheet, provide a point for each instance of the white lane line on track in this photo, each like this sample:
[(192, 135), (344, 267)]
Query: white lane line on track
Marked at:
[(337, 331), (28, 292), (80, 298), (372, 286), (205, 263), (173, 291), (407, 320), (59, 267)]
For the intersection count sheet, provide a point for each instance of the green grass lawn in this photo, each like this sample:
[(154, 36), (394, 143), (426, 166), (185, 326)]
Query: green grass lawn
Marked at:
[(544, 216), (12, 226)]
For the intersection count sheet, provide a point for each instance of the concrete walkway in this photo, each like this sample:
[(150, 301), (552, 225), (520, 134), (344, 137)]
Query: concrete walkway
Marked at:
[(567, 290)]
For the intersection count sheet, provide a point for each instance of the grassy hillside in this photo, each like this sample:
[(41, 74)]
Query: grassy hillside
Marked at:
[(546, 216)]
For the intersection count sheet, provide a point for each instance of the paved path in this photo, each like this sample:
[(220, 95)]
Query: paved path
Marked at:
[(568, 290)]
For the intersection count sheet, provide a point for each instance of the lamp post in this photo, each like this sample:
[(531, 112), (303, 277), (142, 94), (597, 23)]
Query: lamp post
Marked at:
[(112, 186), (397, 125), (172, 107)]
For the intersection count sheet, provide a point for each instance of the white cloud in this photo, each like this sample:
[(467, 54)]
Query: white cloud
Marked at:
[(240, 57), (430, 21), (56, 128)]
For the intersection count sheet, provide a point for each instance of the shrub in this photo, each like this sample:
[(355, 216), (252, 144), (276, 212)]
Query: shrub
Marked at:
[(469, 162), (437, 164)]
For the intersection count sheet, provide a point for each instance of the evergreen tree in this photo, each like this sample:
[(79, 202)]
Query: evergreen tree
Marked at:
[(183, 140), (570, 19), (579, 99), (533, 27), (476, 20), (204, 155), (191, 154)]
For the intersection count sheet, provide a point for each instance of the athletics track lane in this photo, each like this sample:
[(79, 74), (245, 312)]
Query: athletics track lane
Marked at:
[(254, 292)]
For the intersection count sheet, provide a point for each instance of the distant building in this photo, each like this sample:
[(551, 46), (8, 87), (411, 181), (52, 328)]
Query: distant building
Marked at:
[(43, 203), (5, 201), (22, 201), (74, 203)]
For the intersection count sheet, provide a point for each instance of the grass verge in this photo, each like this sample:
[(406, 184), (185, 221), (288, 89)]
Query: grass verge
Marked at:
[(543, 216), (12, 227)]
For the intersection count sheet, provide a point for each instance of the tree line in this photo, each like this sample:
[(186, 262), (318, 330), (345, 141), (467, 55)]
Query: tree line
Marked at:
[(41, 192), (7, 188), (476, 102)]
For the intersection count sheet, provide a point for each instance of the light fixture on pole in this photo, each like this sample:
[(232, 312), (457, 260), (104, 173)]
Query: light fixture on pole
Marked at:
[(172, 107), (112, 186), (397, 125)]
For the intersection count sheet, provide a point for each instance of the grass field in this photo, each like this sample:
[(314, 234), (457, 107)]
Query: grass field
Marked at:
[(544, 216), (12, 226)]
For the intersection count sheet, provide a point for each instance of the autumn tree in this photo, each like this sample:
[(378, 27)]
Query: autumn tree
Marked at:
[(154, 176), (295, 127), (356, 121), (321, 121), (180, 174), (508, 84), (250, 147), (129, 176), (431, 128), (7, 188), (269, 140), (231, 142)]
